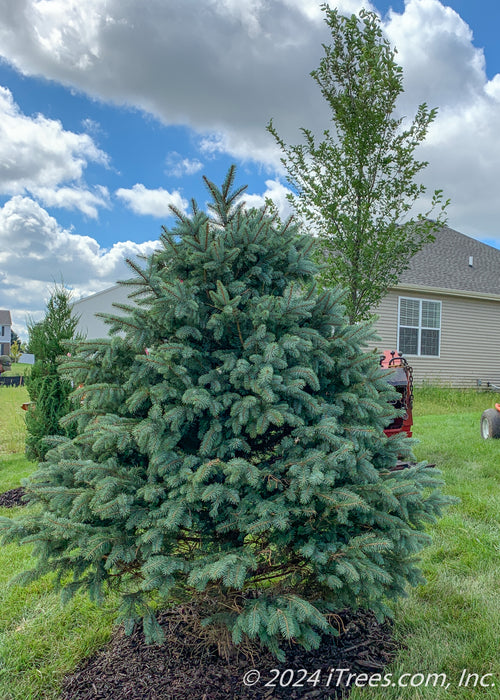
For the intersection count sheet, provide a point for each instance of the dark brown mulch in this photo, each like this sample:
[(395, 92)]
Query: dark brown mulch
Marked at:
[(12, 498), (185, 669)]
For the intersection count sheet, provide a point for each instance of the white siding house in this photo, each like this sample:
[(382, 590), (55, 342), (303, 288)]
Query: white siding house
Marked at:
[(89, 324), (5, 332)]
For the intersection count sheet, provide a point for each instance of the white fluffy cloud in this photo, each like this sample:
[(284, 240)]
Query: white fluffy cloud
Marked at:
[(225, 67), (85, 200), (276, 191), (36, 252), (434, 45), (153, 202), (37, 155), (443, 68), (177, 166), (217, 66)]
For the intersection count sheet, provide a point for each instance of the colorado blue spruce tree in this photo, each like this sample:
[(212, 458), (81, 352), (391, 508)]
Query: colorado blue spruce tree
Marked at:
[(230, 444)]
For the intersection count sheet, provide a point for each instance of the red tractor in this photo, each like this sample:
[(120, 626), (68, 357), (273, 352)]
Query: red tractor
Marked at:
[(402, 380), (490, 420)]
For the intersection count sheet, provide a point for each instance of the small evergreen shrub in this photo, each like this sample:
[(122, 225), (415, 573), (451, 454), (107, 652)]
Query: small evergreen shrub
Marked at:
[(48, 390), (5, 362), (229, 444)]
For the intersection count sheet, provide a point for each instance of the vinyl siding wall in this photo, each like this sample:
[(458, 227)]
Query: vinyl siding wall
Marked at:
[(5, 334), (102, 302), (470, 339), (5, 338)]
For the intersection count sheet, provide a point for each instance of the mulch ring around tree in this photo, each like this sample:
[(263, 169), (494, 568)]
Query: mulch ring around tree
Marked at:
[(13, 498), (186, 668)]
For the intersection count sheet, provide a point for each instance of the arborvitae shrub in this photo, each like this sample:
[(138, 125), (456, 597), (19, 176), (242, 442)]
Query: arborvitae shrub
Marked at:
[(48, 390), (6, 362), (230, 444)]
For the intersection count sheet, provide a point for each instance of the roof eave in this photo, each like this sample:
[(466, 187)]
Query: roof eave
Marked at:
[(421, 288)]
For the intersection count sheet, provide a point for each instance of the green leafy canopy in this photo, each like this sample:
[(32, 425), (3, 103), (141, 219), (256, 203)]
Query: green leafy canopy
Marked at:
[(358, 185)]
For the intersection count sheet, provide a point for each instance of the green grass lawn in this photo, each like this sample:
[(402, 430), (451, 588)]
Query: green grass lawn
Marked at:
[(12, 425), (40, 639), (450, 624), (453, 622), (17, 369)]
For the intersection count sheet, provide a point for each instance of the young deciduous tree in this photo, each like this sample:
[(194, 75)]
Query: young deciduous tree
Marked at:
[(15, 351), (358, 185), (47, 389), (230, 446)]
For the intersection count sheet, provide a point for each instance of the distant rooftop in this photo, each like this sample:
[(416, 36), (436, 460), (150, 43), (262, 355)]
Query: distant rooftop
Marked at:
[(5, 318), (455, 261)]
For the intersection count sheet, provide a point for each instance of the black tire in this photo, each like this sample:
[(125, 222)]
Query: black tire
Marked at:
[(490, 424)]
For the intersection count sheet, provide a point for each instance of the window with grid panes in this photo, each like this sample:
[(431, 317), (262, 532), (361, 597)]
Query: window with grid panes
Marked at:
[(419, 327)]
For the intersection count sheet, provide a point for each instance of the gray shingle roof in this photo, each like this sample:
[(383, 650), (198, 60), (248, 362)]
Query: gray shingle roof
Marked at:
[(445, 264), (5, 319)]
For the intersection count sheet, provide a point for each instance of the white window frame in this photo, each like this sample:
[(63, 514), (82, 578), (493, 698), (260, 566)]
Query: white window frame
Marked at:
[(420, 328)]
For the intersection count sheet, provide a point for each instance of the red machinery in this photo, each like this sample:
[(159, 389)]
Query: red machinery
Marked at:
[(402, 380), (490, 422)]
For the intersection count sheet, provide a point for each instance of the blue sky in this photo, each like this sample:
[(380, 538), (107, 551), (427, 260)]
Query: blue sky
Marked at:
[(112, 109)]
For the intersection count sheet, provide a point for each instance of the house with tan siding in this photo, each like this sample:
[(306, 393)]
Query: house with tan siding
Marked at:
[(444, 315)]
